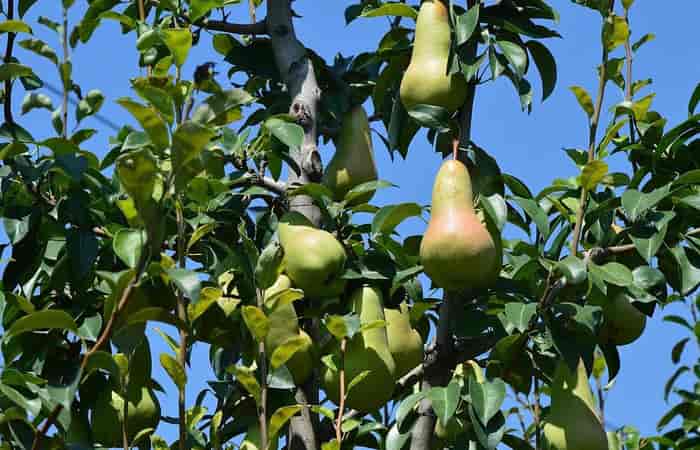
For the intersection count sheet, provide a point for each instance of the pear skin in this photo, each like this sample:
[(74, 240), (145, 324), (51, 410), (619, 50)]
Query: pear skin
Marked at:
[(573, 422), (313, 258), (426, 80), (353, 161), (623, 323), (368, 350), (405, 344), (457, 251)]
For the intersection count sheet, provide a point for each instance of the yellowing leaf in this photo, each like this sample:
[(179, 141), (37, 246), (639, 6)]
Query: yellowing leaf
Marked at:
[(174, 370), (256, 321), (284, 352), (593, 173), (280, 418)]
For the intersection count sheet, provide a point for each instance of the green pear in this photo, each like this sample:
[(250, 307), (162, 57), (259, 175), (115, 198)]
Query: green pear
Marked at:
[(367, 350), (353, 161), (458, 251), (314, 259), (426, 80), (405, 344), (623, 322), (284, 325), (573, 422), (613, 441)]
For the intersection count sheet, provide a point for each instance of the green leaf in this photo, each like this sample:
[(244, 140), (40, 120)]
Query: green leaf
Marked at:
[(32, 406), (246, 378), (536, 213), (128, 245), (593, 173), (643, 40), (444, 401), (155, 314), (89, 105), (104, 361), (389, 217), (614, 273), (256, 321), (24, 6), (137, 171), (11, 71), (357, 380), (343, 326), (487, 397), (407, 405), (42, 320), (179, 42), (290, 134), (465, 24), (82, 248), (516, 56), (691, 200), (149, 119), (199, 233), (584, 99), (189, 139), (694, 100), (14, 26), (520, 314), (223, 108), (186, 281), (90, 328), (396, 440), (688, 270), (546, 66), (646, 277), (391, 9), (363, 188), (200, 8), (35, 100), (16, 229), (573, 269), (648, 238), (615, 32), (286, 350), (174, 370), (281, 417), (636, 203), (269, 265), (431, 116), (207, 298)]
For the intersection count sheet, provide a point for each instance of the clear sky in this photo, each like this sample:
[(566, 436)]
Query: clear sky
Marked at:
[(527, 146)]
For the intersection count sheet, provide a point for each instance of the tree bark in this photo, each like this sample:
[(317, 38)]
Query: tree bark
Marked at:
[(297, 72)]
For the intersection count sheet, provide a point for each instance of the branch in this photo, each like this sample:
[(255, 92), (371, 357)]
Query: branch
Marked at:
[(65, 60), (234, 28), (8, 58), (341, 406), (628, 85), (599, 254), (593, 132), (184, 337), (268, 183)]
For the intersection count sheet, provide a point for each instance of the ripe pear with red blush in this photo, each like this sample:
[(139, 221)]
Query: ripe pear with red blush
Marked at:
[(459, 250)]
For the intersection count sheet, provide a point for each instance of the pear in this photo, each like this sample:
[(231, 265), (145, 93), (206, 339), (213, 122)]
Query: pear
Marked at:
[(313, 258), (353, 161), (623, 322), (458, 251), (573, 422), (405, 344), (284, 325), (143, 411), (426, 80), (367, 350)]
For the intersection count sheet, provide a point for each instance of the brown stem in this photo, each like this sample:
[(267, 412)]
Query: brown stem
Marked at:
[(341, 406), (65, 60), (628, 85), (537, 414), (593, 132), (184, 336), (101, 340), (125, 413), (8, 58)]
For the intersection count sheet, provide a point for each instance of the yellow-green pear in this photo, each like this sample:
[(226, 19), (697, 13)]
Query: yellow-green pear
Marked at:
[(368, 350), (458, 251), (573, 422), (313, 259), (405, 344), (623, 322), (353, 161), (284, 325), (426, 80)]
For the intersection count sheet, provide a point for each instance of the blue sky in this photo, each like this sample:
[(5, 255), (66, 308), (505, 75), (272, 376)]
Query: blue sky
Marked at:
[(527, 146)]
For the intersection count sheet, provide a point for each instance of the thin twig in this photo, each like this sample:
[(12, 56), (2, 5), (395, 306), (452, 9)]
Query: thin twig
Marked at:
[(341, 405), (593, 132), (628, 84), (182, 315), (537, 413), (65, 82), (142, 18), (8, 58)]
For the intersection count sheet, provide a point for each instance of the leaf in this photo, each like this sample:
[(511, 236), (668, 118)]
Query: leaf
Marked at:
[(280, 418), (89, 105), (246, 378), (643, 40), (90, 328), (256, 321), (536, 213), (186, 281), (286, 350), (593, 173), (189, 139), (149, 119), (636, 203), (465, 24), (14, 26), (200, 8), (486, 397), (155, 314), (689, 272), (615, 32), (357, 380), (82, 248), (694, 100), (223, 107), (614, 273), (32, 406), (128, 245), (407, 405), (444, 401), (396, 440), (179, 42), (43, 320), (546, 66), (391, 9), (515, 54), (343, 326), (199, 233), (174, 370), (290, 134), (363, 188), (389, 217), (10, 71), (16, 229), (574, 269), (671, 381), (269, 265), (584, 99), (520, 314), (431, 116), (35, 100), (677, 350)]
